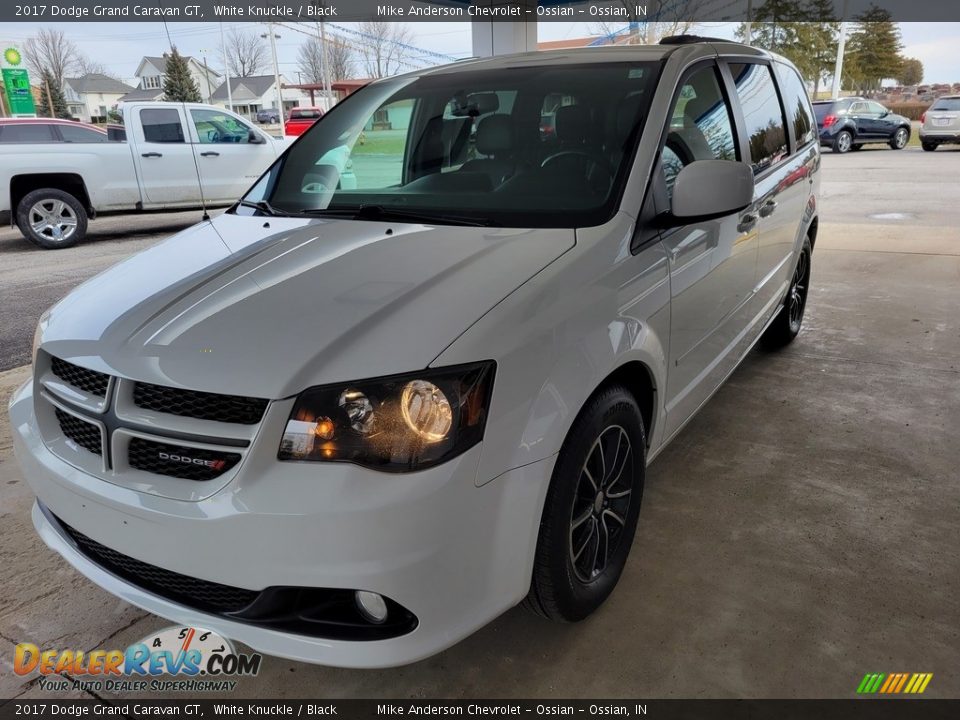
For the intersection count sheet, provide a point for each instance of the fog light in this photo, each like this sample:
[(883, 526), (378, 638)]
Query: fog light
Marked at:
[(372, 606)]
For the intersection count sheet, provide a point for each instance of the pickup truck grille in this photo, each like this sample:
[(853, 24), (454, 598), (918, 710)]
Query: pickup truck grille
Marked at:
[(200, 405), (200, 594), (188, 463), (84, 434), (89, 381)]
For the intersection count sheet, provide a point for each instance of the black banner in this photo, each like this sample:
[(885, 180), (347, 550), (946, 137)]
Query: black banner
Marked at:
[(465, 10), (855, 709)]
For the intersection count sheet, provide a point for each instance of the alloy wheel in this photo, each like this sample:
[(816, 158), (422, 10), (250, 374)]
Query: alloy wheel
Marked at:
[(53, 219), (601, 503), (844, 141), (797, 298), (900, 138)]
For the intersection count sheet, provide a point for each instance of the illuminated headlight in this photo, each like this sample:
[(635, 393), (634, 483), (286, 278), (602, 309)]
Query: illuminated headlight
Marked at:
[(38, 334), (396, 424)]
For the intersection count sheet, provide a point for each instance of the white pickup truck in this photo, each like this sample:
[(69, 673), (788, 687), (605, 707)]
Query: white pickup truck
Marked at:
[(176, 155)]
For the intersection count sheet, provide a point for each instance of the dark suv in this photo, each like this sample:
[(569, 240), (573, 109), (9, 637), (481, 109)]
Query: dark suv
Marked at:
[(851, 123)]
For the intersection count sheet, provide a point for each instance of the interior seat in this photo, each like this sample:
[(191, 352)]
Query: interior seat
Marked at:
[(495, 140)]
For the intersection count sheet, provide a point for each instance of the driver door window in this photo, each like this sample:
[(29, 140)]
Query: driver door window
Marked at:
[(215, 128)]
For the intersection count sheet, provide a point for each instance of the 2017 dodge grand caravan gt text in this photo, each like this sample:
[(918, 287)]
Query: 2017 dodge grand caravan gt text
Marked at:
[(353, 425)]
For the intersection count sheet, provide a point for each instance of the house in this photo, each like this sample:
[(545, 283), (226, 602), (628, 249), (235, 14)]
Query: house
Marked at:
[(257, 92), (151, 73), (90, 97)]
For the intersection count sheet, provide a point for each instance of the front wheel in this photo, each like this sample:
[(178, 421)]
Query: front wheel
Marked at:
[(928, 146), (843, 142), (786, 326), (590, 514), (900, 139), (51, 218)]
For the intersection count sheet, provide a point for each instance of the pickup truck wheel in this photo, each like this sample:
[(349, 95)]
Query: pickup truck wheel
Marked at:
[(51, 218), (786, 326), (591, 510)]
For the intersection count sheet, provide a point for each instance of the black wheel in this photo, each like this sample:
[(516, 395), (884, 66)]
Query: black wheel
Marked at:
[(928, 146), (51, 218), (900, 139), (843, 142), (590, 514), (786, 326)]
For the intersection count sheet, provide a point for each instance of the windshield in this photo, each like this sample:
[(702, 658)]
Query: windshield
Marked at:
[(538, 146), (947, 104)]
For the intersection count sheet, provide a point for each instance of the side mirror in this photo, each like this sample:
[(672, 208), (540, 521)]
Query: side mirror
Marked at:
[(707, 189), (255, 138)]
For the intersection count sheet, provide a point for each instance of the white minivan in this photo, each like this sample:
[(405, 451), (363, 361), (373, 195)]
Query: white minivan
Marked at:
[(352, 425)]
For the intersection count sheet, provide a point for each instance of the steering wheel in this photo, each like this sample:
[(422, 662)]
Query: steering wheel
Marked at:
[(590, 161)]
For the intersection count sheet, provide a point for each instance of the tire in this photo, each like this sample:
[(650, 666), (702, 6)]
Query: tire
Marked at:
[(586, 533), (928, 146), (51, 219), (786, 326), (900, 139), (843, 142)]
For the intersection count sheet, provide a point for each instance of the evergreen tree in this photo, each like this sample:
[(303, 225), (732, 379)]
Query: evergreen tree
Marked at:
[(874, 48), (179, 85), (59, 109)]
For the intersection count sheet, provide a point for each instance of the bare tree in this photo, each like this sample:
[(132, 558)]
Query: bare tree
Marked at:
[(383, 48), (246, 54), (650, 28), (51, 52), (86, 66), (339, 57)]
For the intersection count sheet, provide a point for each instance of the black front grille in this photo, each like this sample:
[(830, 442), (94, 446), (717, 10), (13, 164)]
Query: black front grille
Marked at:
[(200, 594), (177, 461), (200, 405), (89, 381), (82, 433)]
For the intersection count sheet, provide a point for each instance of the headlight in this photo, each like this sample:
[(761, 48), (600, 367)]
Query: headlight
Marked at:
[(396, 424), (38, 334)]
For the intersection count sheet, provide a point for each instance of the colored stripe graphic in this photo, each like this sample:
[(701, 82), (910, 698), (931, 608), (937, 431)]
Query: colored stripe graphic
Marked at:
[(894, 683)]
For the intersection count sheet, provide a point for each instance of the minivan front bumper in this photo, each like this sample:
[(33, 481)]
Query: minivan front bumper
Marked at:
[(455, 555)]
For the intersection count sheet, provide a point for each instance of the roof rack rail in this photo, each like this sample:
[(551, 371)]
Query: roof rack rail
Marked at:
[(690, 39)]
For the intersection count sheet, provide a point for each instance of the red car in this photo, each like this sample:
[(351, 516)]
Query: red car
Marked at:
[(301, 118)]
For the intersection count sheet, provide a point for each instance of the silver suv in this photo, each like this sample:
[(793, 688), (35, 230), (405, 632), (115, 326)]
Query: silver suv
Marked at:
[(941, 123)]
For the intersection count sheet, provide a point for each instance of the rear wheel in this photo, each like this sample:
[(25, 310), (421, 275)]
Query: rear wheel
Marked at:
[(900, 139), (843, 142), (590, 514), (786, 326), (928, 146), (51, 218)]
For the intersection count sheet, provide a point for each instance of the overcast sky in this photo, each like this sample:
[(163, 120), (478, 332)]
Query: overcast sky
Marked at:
[(119, 46)]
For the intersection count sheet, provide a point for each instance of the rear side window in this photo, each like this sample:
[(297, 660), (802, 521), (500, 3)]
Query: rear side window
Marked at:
[(948, 104), (765, 126), (26, 133), (795, 97), (79, 134), (161, 125)]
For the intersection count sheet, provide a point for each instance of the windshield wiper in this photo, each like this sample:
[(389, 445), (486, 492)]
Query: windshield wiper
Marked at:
[(263, 206), (379, 212)]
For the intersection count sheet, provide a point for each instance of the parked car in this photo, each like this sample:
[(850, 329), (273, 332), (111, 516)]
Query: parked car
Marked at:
[(850, 123), (49, 130), (376, 418), (268, 115), (301, 119), (940, 125), (50, 191)]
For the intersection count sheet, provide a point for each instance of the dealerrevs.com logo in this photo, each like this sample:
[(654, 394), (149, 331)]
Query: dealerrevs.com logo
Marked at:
[(177, 659)]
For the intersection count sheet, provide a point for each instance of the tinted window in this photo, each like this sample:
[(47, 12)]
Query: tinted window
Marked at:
[(798, 103), (821, 110), (700, 126), (876, 108), (762, 113), (161, 125), (218, 127), (859, 108), (80, 134), (26, 132), (947, 104)]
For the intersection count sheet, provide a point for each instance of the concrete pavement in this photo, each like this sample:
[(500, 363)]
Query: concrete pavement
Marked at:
[(801, 531)]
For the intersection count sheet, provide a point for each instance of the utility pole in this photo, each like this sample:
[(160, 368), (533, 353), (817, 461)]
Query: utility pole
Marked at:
[(46, 84), (226, 68), (206, 77), (325, 66), (841, 46), (276, 76), (748, 26)]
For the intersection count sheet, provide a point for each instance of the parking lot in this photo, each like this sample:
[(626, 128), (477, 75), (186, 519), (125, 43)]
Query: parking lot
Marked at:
[(799, 533)]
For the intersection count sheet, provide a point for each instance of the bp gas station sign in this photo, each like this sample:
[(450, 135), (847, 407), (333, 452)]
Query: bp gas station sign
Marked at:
[(16, 82)]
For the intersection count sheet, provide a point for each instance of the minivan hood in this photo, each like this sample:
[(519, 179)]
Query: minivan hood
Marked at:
[(269, 306)]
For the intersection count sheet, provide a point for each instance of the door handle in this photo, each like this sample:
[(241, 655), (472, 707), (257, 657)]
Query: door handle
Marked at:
[(747, 223), (210, 153), (768, 208), (151, 154)]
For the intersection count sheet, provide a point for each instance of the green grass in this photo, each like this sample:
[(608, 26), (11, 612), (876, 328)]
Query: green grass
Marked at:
[(381, 143)]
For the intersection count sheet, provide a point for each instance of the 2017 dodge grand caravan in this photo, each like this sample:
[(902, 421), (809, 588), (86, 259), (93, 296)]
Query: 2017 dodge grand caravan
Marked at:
[(352, 425)]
